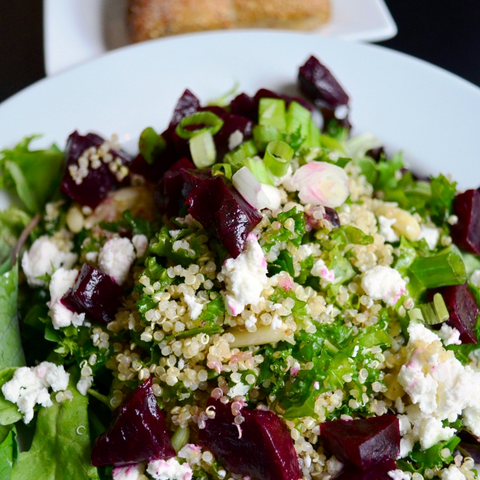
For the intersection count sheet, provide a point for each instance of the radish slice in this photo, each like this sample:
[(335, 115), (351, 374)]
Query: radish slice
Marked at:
[(321, 183)]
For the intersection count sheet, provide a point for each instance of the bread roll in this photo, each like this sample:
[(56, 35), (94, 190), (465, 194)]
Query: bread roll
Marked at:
[(157, 18)]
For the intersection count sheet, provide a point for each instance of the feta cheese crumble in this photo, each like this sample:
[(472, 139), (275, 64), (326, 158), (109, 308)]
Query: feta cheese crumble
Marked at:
[(169, 470), (452, 473), (116, 257), (44, 256), (245, 277), (62, 281), (29, 387), (129, 472), (319, 269), (194, 308), (383, 283), (431, 236), (386, 230)]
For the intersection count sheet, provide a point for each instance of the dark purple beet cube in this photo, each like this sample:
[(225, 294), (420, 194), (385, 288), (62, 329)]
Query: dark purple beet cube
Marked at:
[(318, 84), (222, 211), (377, 472), (231, 124), (261, 447), (137, 434), (364, 442), (462, 308), (469, 445), (245, 106), (187, 105), (172, 190), (95, 293), (93, 188), (466, 232)]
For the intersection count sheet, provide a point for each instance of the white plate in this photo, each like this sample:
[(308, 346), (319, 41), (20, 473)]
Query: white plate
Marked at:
[(429, 113), (79, 30)]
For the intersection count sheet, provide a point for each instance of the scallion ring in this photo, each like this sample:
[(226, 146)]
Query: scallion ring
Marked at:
[(277, 157), (207, 121)]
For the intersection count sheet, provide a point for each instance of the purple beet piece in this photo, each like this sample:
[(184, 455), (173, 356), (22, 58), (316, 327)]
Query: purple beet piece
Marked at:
[(94, 293), (137, 434), (231, 124), (462, 308), (96, 185), (364, 442), (261, 447), (470, 445), (172, 190), (245, 106), (313, 223), (466, 232), (223, 211), (318, 84), (377, 472), (187, 105)]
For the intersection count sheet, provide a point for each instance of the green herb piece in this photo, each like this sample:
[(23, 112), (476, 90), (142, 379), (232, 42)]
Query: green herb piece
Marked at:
[(34, 175), (273, 237), (443, 193), (151, 144), (13, 220), (386, 173), (369, 168), (61, 444), (442, 269), (164, 247), (11, 352)]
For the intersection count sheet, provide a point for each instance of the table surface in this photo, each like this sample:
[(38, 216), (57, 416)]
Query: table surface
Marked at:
[(442, 32)]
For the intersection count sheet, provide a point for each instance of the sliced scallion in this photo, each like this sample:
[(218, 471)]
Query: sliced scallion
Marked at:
[(224, 169), (259, 170), (298, 116), (434, 312), (180, 438), (313, 137), (271, 112), (202, 149), (150, 144), (277, 157), (206, 121), (237, 156), (264, 134)]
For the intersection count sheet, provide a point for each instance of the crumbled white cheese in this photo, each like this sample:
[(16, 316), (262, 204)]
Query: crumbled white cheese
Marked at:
[(475, 278), (319, 269), (399, 475), (140, 242), (440, 388), (431, 236), (383, 283), (62, 281), (245, 277), (129, 472), (386, 230), (116, 257), (235, 139), (194, 308), (449, 335), (44, 256), (169, 470), (239, 389), (191, 453), (29, 387), (452, 473)]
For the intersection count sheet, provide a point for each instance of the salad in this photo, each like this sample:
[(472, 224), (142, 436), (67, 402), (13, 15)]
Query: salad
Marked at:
[(258, 294)]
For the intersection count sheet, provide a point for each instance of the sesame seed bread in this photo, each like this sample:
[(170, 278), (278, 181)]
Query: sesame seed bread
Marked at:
[(157, 18)]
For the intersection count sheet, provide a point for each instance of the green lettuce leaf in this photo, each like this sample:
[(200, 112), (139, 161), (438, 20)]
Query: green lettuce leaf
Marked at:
[(12, 222), (11, 352), (7, 454), (61, 444), (34, 175)]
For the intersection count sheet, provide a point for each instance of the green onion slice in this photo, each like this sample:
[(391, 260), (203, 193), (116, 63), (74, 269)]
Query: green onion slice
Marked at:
[(271, 112), (224, 169), (207, 121), (264, 134), (202, 148), (259, 170), (237, 156), (277, 157), (150, 144)]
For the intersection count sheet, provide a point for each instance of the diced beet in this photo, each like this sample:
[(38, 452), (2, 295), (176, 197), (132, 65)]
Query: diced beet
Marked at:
[(470, 445), (364, 442), (218, 111), (261, 447), (187, 105), (231, 124), (137, 434), (314, 223), (245, 106), (377, 472), (223, 211), (96, 185), (462, 308), (466, 232), (172, 190), (94, 293), (318, 84)]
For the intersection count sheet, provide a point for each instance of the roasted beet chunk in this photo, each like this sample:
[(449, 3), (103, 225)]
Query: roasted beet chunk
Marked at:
[(261, 447), (363, 442), (466, 232), (187, 105), (91, 189), (462, 308), (137, 434), (318, 84), (232, 123), (95, 294), (245, 106), (223, 211), (378, 472)]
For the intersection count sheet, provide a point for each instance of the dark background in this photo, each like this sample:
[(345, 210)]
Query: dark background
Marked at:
[(443, 32)]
